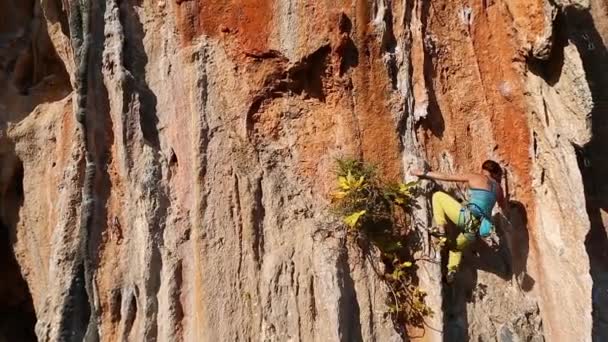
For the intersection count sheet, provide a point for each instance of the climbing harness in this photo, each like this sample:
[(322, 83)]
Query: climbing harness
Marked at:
[(476, 223)]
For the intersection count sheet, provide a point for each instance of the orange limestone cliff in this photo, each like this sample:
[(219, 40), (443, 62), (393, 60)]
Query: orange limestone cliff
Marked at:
[(165, 166)]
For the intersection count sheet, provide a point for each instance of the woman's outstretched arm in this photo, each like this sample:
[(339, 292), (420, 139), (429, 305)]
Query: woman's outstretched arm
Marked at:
[(465, 177)]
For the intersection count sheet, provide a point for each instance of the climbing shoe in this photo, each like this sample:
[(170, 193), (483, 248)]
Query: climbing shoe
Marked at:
[(450, 276), (440, 242), (439, 237), (436, 232)]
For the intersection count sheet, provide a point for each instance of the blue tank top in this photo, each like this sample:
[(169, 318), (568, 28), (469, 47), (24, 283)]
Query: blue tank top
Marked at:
[(482, 201)]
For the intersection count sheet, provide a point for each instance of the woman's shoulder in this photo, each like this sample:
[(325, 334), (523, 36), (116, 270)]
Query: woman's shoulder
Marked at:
[(478, 181), (481, 177)]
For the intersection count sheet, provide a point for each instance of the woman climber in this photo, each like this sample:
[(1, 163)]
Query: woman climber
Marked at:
[(473, 218)]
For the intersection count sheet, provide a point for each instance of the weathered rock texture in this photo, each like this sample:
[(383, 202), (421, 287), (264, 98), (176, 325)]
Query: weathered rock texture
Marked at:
[(211, 127)]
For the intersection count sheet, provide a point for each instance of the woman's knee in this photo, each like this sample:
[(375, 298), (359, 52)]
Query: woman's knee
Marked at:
[(437, 196)]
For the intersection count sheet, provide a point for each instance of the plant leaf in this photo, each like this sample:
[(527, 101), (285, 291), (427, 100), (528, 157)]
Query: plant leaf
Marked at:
[(339, 194), (352, 219), (405, 188), (349, 178), (359, 182), (343, 183)]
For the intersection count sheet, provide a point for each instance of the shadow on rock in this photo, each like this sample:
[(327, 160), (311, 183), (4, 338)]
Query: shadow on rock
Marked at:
[(593, 159), (17, 315), (507, 260)]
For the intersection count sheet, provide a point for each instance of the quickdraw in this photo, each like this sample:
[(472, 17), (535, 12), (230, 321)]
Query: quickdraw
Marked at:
[(469, 221)]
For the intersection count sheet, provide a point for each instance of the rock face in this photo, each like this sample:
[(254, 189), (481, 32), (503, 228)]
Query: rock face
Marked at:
[(210, 133)]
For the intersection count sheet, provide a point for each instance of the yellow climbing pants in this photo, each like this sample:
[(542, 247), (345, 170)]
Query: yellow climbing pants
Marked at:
[(446, 207)]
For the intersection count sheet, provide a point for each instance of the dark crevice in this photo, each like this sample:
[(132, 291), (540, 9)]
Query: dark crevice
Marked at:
[(267, 54), (54, 13), (595, 243), (152, 288), (31, 72), (349, 312), (542, 177), (173, 159), (101, 137), (551, 69), (135, 60), (101, 128), (13, 195), (393, 71), (593, 160), (77, 309), (389, 46), (313, 304), (259, 212), (347, 50), (406, 119), (576, 26), (389, 42), (140, 101), (434, 119), (17, 315), (79, 318), (176, 292), (304, 78), (115, 303), (130, 312), (535, 144), (454, 296)]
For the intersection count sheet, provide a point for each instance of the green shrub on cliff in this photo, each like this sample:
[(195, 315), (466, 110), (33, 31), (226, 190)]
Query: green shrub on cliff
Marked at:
[(378, 212)]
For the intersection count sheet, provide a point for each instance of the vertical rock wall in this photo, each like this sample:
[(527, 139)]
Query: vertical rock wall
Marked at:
[(214, 126)]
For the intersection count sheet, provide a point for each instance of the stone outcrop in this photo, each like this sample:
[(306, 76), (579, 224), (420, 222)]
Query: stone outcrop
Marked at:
[(174, 185)]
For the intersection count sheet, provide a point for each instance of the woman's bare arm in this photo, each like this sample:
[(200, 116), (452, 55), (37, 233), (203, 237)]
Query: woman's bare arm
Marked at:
[(465, 177)]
